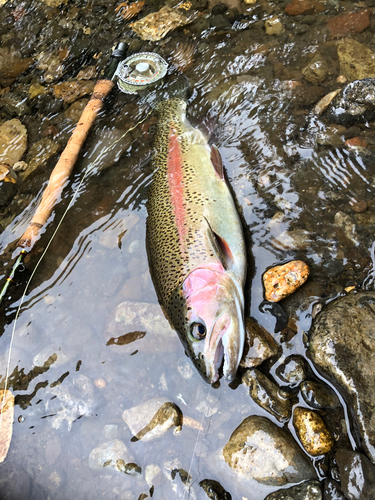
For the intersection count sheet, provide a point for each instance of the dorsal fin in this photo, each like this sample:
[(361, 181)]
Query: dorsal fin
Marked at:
[(217, 162), (221, 248)]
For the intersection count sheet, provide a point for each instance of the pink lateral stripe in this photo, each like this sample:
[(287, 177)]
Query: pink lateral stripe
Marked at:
[(176, 187)]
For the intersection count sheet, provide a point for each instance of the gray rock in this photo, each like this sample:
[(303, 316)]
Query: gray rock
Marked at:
[(342, 344), (298, 239), (292, 370), (261, 451), (306, 491), (71, 399), (259, 345), (333, 491), (357, 475), (319, 396), (13, 141), (345, 222), (265, 393), (152, 419), (355, 103), (113, 455), (14, 104)]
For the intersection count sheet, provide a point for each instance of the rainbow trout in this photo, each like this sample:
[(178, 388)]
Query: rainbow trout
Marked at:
[(195, 244)]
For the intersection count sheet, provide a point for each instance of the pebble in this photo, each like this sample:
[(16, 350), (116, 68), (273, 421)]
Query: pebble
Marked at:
[(51, 64), (297, 239), (214, 490), (151, 419), (72, 91), (260, 450), (12, 133), (20, 166), (316, 71), (357, 475), (323, 104), (345, 222), (100, 383), (319, 396), (265, 393), (356, 60), (292, 370), (274, 26), (35, 90), (356, 142), (298, 7), (345, 24), (259, 345), (12, 64), (112, 454), (358, 206), (312, 431), (310, 490), (74, 112), (51, 356), (281, 281)]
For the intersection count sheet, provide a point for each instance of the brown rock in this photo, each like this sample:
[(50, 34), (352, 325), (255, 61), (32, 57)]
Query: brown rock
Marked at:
[(358, 206), (72, 91), (298, 7), (13, 141), (356, 60), (12, 64), (344, 25), (6, 430), (259, 345), (312, 432), (281, 281)]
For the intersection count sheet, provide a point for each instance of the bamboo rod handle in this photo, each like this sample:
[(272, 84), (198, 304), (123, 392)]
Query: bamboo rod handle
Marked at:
[(63, 168)]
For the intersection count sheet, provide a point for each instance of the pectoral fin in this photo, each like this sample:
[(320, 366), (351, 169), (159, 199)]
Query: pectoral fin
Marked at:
[(217, 162), (221, 248)]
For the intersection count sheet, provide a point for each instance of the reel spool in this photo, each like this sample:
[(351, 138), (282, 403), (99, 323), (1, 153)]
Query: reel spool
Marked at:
[(140, 71)]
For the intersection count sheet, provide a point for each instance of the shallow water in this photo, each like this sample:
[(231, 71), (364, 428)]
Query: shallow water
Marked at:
[(97, 258)]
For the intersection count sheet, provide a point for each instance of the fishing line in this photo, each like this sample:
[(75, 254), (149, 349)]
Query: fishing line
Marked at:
[(44, 253), (200, 432)]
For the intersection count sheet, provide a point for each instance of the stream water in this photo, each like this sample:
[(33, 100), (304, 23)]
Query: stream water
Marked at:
[(290, 172)]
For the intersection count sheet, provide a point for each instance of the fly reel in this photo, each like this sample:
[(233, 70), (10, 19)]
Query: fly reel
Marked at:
[(140, 71)]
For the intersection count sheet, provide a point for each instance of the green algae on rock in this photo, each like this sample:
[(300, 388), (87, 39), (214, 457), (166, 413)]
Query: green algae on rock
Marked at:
[(260, 450)]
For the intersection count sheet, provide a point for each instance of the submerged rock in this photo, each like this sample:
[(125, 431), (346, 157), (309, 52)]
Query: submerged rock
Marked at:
[(13, 141), (342, 344), (260, 450), (357, 475), (259, 345), (292, 370), (265, 393), (281, 281), (316, 71), (353, 22), (214, 490), (306, 491), (298, 7), (355, 103), (39, 155), (12, 64), (333, 491), (319, 396), (114, 455), (152, 419), (356, 60), (312, 431)]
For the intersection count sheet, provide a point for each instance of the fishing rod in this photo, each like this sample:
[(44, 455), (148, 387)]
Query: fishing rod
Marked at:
[(133, 74)]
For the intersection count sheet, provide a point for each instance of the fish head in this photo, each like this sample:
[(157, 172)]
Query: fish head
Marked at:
[(214, 322)]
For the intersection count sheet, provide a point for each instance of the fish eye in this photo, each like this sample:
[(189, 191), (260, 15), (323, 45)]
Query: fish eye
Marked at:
[(198, 331)]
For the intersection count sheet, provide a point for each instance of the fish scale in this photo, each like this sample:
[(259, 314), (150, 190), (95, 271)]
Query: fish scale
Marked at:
[(189, 207)]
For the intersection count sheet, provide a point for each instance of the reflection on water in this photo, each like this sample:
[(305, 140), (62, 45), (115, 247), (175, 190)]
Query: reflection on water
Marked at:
[(72, 372)]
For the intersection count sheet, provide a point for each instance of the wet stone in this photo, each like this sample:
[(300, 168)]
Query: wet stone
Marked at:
[(112, 455), (38, 157), (151, 419), (13, 141), (260, 450), (274, 26), (298, 7), (292, 370), (345, 24), (214, 490), (265, 393), (316, 71), (12, 64), (356, 60), (277, 312), (72, 91), (259, 345), (281, 281), (14, 104), (347, 224), (309, 490), (319, 396), (298, 239), (333, 491), (312, 431), (342, 346), (357, 475), (355, 103)]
